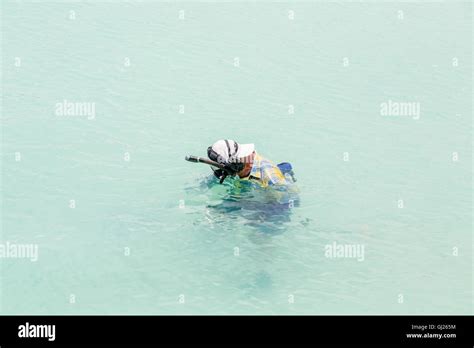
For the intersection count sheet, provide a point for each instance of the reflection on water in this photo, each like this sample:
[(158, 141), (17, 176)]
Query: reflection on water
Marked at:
[(247, 203)]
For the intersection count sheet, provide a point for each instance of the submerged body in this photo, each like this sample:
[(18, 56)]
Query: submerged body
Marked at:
[(265, 208), (261, 187)]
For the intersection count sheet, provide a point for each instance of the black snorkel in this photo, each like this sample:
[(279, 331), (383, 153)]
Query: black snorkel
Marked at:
[(221, 173), (197, 159), (227, 163)]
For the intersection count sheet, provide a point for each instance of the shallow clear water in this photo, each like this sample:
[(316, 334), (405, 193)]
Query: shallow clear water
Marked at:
[(153, 234)]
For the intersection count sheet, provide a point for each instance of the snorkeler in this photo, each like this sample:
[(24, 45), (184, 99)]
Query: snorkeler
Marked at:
[(233, 159)]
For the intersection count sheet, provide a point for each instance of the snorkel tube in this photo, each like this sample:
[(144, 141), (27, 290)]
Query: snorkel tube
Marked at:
[(197, 159), (225, 170)]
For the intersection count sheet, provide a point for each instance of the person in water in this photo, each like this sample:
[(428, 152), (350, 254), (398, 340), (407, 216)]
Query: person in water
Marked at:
[(244, 161)]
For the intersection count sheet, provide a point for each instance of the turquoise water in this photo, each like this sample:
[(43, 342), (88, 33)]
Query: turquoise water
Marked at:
[(124, 225)]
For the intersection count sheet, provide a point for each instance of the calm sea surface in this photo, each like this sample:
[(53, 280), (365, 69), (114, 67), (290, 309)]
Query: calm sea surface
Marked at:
[(370, 102)]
